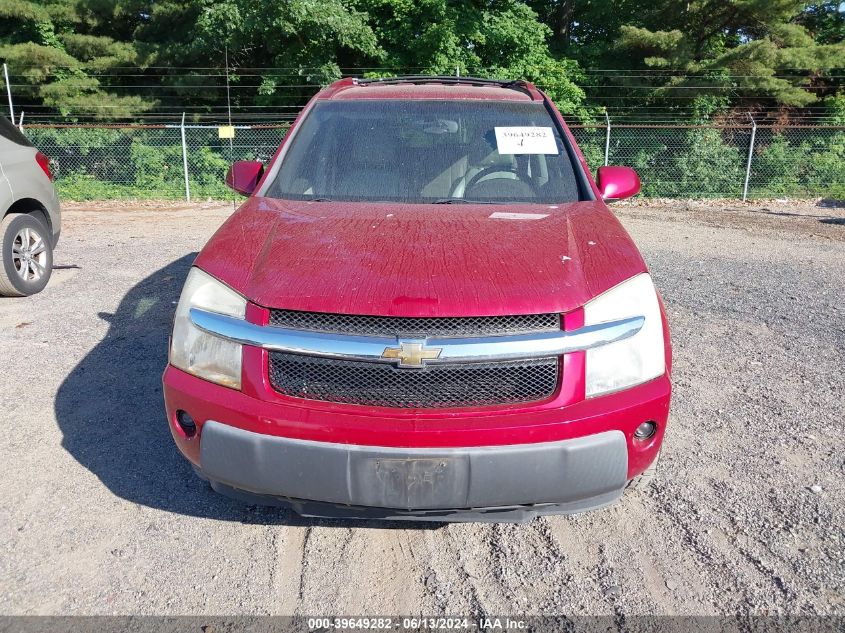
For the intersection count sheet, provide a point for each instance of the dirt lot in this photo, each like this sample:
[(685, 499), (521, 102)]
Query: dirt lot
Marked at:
[(99, 514)]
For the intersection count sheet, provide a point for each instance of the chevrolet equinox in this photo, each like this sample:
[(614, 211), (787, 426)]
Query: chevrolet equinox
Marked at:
[(423, 310)]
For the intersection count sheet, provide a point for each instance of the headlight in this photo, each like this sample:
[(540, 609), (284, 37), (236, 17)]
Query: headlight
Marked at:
[(633, 360), (198, 352)]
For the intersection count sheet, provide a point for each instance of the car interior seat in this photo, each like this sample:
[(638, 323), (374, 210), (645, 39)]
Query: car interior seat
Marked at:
[(367, 173), (481, 156)]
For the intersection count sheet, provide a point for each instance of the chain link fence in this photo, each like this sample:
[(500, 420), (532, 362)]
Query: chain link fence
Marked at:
[(685, 161), (148, 161), (710, 161)]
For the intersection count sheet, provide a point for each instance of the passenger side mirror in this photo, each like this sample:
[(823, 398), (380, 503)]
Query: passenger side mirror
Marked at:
[(616, 183), (244, 175)]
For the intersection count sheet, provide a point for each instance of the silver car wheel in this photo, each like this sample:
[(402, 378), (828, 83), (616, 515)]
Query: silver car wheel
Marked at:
[(29, 254)]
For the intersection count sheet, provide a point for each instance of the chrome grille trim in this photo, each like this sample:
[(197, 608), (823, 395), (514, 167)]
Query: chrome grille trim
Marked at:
[(454, 350)]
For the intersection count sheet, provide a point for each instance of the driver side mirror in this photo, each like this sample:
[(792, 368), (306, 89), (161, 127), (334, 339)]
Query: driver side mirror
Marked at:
[(244, 176), (616, 183)]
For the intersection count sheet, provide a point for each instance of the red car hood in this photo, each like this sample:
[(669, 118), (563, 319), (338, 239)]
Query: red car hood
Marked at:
[(421, 260)]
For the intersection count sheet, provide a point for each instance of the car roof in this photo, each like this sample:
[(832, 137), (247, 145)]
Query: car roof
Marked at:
[(11, 133), (416, 87)]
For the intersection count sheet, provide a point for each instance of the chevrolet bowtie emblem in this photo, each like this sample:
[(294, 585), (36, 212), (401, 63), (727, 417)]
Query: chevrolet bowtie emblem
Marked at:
[(411, 354)]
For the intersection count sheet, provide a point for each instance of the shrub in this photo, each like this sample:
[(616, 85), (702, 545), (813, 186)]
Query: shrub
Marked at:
[(92, 163)]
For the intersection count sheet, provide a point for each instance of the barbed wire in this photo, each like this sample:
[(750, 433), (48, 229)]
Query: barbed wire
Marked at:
[(606, 90), (18, 64)]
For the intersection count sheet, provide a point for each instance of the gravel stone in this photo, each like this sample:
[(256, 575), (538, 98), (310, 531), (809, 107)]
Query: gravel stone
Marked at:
[(101, 515)]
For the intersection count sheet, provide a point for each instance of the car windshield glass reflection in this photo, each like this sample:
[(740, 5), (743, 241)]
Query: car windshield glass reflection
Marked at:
[(427, 152)]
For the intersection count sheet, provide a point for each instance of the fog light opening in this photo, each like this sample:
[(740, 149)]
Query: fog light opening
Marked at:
[(646, 430), (186, 423)]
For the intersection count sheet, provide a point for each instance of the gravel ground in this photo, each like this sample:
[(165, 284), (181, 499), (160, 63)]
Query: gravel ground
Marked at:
[(99, 514)]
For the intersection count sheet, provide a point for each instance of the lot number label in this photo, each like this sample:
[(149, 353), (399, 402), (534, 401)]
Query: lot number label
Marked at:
[(525, 140)]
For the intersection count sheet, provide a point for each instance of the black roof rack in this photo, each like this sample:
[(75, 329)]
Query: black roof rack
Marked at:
[(513, 84)]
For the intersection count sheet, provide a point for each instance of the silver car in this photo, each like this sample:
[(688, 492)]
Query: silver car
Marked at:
[(31, 220)]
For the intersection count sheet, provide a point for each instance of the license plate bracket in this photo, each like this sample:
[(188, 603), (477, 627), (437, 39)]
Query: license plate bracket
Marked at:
[(410, 482)]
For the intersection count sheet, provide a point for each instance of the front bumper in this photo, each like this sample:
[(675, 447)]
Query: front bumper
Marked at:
[(331, 460), (566, 476)]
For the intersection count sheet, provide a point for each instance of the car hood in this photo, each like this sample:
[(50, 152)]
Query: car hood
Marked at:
[(421, 260)]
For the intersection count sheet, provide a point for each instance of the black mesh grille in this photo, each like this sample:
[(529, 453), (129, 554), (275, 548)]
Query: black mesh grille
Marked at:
[(423, 327), (434, 386)]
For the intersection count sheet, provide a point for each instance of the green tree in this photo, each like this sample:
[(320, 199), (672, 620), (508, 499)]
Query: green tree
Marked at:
[(111, 58), (825, 21), (502, 38), (277, 52), (55, 58), (312, 42), (314, 37), (759, 42), (705, 55)]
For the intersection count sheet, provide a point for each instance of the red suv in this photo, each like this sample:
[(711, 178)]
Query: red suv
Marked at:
[(423, 310)]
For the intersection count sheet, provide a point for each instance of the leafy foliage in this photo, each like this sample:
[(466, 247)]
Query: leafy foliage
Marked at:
[(498, 39), (97, 57), (703, 59), (672, 162), (773, 51), (46, 47)]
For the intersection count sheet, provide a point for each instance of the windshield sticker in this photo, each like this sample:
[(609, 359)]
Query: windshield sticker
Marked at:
[(525, 140), (500, 215)]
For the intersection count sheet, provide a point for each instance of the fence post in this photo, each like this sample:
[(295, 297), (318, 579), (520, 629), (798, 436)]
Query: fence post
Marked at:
[(607, 139), (185, 160), (750, 155), (9, 93), (20, 122)]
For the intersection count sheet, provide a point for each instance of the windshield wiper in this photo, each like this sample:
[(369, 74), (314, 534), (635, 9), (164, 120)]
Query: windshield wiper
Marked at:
[(318, 199), (461, 201)]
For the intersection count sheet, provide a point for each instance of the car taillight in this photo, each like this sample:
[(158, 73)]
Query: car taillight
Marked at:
[(44, 163)]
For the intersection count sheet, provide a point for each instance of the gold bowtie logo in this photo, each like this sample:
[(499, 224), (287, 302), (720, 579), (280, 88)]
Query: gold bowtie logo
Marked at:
[(411, 354)]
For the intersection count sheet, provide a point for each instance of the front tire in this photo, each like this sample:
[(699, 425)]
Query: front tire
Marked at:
[(27, 255)]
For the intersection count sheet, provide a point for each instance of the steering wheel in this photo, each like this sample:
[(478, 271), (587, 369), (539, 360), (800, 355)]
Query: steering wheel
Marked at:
[(492, 169)]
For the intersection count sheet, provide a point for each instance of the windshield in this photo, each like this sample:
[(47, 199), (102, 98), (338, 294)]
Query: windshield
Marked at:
[(427, 152)]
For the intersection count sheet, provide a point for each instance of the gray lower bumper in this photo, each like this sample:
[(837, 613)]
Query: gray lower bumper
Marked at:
[(565, 476)]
